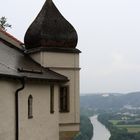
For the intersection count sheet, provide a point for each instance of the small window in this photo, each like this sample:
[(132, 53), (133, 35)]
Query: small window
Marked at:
[(52, 99), (64, 99), (30, 107)]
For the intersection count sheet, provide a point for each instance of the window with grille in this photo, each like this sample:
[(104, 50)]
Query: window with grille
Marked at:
[(64, 99), (52, 99)]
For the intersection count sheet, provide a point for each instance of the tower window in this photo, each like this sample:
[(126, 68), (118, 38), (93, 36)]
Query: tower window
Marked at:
[(52, 99), (64, 99), (30, 107)]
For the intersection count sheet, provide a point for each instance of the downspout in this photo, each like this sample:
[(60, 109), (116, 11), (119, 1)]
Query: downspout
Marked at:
[(17, 108)]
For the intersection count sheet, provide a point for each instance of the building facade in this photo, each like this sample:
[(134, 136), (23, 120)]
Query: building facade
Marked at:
[(39, 78)]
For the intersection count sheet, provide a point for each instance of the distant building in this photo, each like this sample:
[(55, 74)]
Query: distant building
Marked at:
[(39, 81)]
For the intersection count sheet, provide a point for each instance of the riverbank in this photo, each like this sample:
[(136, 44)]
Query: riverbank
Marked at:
[(86, 129), (117, 133)]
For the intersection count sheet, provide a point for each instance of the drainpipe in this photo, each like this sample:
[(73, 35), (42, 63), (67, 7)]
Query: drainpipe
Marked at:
[(17, 107)]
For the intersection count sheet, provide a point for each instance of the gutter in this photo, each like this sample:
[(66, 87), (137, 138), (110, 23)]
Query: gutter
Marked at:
[(22, 81)]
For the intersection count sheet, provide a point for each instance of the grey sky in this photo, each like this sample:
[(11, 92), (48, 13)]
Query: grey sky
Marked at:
[(109, 37)]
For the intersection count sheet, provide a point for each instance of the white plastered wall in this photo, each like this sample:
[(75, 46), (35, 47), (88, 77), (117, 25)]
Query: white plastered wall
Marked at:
[(7, 109), (66, 64), (43, 125)]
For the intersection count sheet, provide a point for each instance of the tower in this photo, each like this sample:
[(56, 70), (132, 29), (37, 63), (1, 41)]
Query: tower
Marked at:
[(51, 41)]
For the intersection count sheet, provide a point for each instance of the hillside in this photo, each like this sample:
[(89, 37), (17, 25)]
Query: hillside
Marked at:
[(110, 101)]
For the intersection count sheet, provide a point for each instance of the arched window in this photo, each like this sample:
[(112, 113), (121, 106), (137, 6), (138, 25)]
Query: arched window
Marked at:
[(30, 107)]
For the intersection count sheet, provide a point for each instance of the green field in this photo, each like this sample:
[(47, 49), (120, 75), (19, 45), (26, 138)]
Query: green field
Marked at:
[(114, 122), (130, 128)]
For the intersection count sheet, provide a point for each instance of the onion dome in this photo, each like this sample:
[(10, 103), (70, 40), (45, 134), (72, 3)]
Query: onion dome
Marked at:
[(50, 30)]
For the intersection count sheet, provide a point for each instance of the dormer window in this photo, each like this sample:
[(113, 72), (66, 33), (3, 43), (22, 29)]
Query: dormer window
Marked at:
[(30, 107), (64, 99)]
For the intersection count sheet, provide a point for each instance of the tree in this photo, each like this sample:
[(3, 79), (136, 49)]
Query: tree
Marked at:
[(4, 24)]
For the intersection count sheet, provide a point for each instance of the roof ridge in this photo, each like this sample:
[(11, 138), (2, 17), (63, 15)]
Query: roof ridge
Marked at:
[(11, 36)]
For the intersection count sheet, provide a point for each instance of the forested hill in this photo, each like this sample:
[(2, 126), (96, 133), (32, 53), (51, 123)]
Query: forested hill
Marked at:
[(110, 101)]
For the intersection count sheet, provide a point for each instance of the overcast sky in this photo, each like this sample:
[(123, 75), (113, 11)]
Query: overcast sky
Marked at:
[(109, 38)]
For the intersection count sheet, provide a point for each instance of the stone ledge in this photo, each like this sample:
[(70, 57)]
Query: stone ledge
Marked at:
[(67, 135)]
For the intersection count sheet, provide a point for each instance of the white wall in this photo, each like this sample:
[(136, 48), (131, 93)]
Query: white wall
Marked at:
[(7, 109), (43, 125), (66, 64)]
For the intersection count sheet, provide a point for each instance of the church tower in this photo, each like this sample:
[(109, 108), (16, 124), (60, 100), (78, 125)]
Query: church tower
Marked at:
[(51, 41)]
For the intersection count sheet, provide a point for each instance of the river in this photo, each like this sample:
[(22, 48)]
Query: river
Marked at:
[(100, 131)]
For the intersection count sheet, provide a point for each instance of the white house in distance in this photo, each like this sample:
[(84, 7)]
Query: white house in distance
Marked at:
[(39, 81)]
